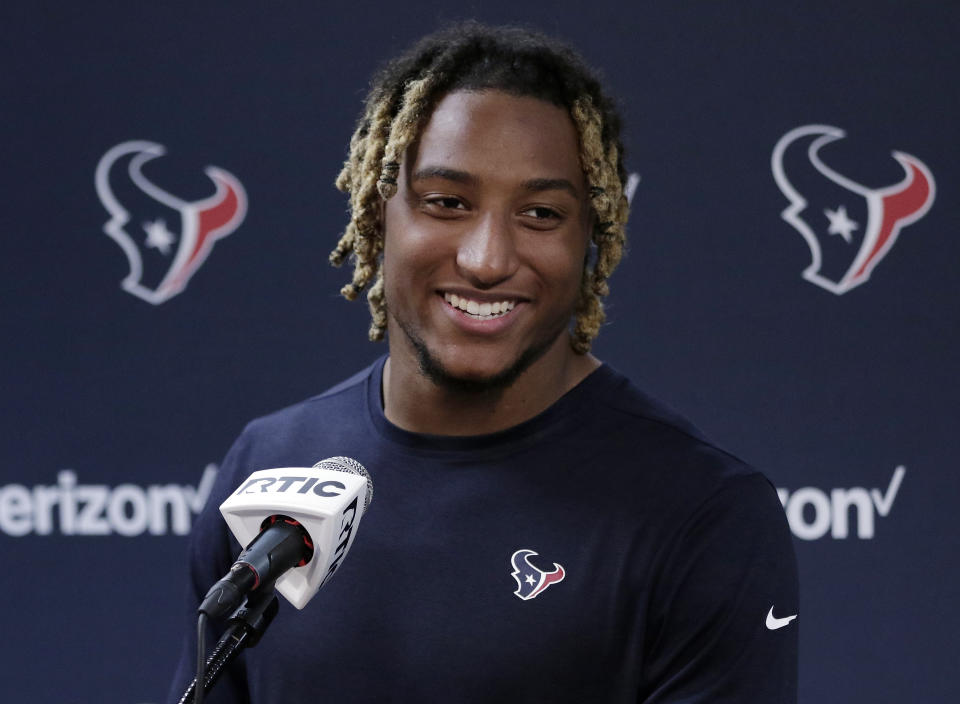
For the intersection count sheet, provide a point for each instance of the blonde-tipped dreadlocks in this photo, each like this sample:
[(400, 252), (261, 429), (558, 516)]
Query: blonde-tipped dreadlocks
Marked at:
[(472, 56)]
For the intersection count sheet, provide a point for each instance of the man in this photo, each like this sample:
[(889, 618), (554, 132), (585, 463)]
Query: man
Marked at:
[(543, 531)]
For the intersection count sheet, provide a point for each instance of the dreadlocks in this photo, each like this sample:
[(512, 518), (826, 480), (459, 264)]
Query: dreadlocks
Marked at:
[(471, 56)]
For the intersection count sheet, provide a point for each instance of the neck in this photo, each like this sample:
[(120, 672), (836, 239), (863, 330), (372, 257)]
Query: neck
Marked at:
[(416, 403)]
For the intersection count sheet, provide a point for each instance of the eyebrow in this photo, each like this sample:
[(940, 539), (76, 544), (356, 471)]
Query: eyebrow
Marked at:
[(443, 172), (534, 185), (551, 184)]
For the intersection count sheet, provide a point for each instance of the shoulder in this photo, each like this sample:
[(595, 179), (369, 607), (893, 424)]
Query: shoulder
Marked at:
[(298, 435), (339, 403), (636, 430), (675, 486), (715, 557)]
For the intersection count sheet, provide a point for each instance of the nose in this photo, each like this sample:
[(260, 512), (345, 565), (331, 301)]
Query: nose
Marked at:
[(487, 254)]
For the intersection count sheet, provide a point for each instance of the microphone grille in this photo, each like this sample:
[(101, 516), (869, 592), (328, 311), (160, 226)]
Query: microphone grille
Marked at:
[(350, 466)]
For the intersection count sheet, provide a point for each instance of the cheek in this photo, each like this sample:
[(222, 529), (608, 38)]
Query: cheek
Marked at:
[(399, 239), (415, 244), (560, 264), (411, 255)]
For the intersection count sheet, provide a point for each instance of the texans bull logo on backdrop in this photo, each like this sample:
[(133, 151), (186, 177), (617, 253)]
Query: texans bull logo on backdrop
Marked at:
[(848, 227), (531, 580), (165, 238)]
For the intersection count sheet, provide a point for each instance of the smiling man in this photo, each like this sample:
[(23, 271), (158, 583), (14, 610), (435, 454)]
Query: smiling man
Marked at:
[(543, 531), (484, 247)]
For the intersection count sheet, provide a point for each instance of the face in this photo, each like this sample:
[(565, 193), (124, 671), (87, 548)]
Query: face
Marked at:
[(485, 240)]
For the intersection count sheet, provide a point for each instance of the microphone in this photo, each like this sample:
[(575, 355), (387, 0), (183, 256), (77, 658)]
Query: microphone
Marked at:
[(297, 523)]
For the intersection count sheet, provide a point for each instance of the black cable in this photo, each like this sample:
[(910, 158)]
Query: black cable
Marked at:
[(201, 660)]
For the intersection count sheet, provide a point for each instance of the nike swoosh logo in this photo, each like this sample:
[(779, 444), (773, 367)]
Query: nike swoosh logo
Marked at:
[(775, 623)]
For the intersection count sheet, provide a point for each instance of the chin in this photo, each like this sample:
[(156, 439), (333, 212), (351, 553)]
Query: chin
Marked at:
[(468, 378), (472, 379)]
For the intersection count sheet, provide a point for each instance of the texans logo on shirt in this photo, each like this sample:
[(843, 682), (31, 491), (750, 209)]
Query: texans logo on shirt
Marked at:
[(164, 238), (531, 580), (848, 227)]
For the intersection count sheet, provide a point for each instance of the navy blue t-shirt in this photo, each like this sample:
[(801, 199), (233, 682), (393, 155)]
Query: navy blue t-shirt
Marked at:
[(656, 560)]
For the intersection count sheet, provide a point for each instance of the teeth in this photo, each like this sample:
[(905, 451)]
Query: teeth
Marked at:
[(481, 311)]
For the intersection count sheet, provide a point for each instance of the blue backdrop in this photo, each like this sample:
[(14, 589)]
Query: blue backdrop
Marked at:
[(151, 307)]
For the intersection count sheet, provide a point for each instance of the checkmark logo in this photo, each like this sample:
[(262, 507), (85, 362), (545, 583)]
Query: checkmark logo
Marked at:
[(774, 623)]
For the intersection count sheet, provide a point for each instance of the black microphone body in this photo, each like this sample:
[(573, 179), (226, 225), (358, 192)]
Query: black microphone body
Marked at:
[(281, 545)]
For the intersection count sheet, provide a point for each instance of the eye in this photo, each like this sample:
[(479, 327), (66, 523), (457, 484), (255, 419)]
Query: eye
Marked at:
[(541, 216), (541, 212), (442, 204)]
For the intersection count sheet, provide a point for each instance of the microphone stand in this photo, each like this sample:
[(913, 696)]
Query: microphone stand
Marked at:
[(247, 624)]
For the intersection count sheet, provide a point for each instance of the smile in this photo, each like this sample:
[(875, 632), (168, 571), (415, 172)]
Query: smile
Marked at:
[(480, 310)]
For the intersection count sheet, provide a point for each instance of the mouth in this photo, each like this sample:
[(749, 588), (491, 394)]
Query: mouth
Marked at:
[(480, 310)]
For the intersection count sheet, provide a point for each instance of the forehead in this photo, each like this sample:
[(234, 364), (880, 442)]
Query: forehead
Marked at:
[(492, 133)]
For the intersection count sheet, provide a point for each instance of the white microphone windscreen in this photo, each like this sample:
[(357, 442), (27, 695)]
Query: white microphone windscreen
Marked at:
[(351, 466)]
